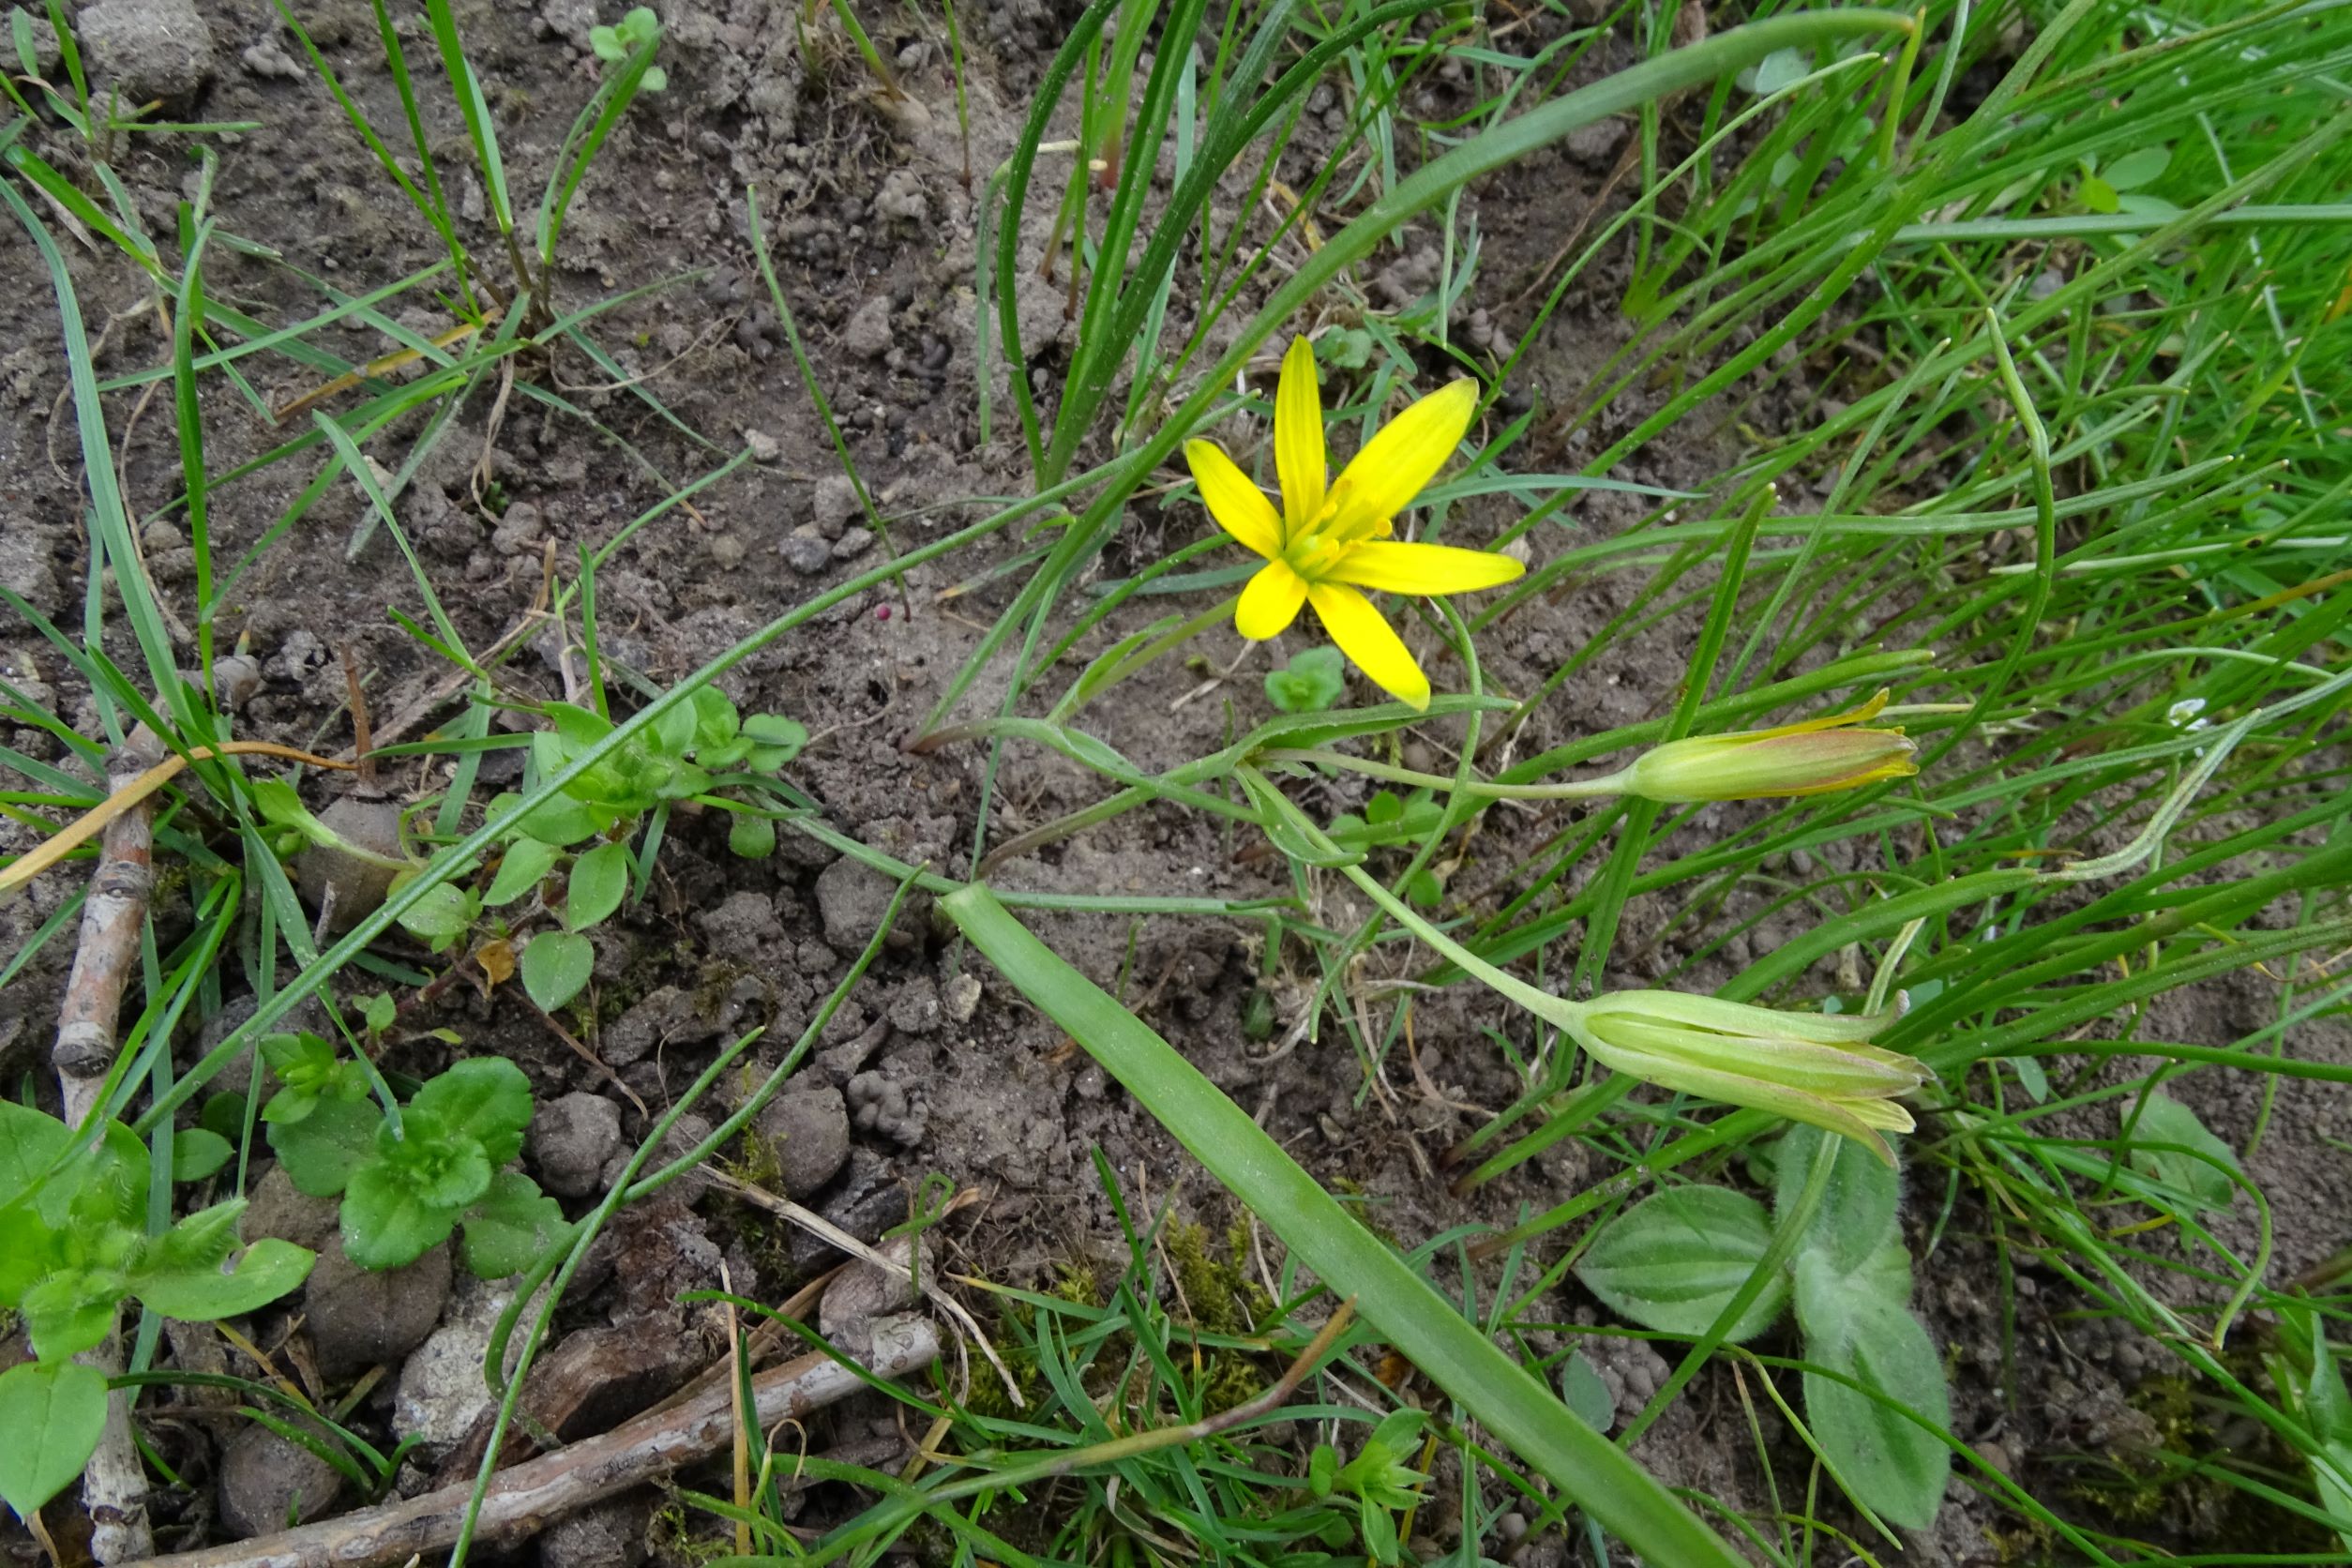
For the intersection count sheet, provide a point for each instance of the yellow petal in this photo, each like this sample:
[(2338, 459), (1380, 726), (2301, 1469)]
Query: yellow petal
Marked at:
[(1370, 641), (1239, 508), (1410, 568), (1271, 602), (1398, 462), (1298, 439)]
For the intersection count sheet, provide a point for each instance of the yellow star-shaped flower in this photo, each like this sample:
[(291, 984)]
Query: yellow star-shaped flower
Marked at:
[(1328, 543)]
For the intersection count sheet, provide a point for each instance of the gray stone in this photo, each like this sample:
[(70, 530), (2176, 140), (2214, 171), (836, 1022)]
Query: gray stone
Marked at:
[(742, 927), (357, 885), (762, 446), (150, 48), (806, 550), (870, 334), (841, 1060), (808, 1130), (269, 1484), (277, 1209), (571, 1140), (961, 996), (441, 1393), (833, 506), (851, 545), (608, 1534), (866, 1290), (358, 1318)]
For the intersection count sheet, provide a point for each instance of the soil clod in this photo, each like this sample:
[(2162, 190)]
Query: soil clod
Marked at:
[(808, 1132), (270, 1483), (358, 1317), (572, 1140)]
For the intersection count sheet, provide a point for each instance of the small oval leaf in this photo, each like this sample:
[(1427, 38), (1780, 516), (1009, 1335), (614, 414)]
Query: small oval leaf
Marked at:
[(555, 965)]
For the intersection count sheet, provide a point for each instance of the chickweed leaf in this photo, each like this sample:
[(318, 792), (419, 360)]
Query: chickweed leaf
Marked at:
[(1310, 683), (775, 741), (510, 1226), (485, 1098), (1776, 71), (197, 1153), (70, 1311), (750, 836), (443, 914), (30, 1144), (390, 1220), (269, 1269), (378, 1012), (53, 1413), (524, 865), (600, 879), (2136, 169), (322, 1150), (555, 967)]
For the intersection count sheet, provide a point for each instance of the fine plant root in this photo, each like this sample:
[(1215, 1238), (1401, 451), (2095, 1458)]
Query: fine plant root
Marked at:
[(528, 1497), (824, 1229)]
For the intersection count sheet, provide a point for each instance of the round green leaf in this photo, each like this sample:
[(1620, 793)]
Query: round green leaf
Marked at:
[(197, 1153), (751, 838), (555, 965), (322, 1150), (53, 1413), (386, 1223), (2136, 169), (520, 870), (485, 1098), (512, 1225)]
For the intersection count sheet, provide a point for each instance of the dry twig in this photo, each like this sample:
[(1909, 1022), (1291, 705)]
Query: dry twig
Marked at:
[(113, 1486), (529, 1496)]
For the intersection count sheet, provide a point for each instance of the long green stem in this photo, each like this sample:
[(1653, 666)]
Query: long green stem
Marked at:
[(1602, 788)]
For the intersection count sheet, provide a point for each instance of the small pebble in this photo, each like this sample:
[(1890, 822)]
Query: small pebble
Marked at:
[(806, 550)]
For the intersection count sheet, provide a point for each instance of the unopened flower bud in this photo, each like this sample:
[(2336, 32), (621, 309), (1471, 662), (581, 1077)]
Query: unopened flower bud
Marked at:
[(1809, 759), (1814, 1067)]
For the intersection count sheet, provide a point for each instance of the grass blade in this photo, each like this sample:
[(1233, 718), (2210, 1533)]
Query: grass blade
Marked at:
[(1423, 1324)]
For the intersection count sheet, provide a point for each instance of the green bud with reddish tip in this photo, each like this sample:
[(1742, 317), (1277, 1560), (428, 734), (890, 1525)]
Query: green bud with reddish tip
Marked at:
[(1810, 759)]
